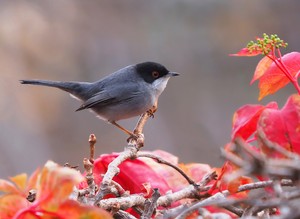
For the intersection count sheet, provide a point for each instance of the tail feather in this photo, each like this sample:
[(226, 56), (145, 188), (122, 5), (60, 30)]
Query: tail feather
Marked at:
[(77, 89)]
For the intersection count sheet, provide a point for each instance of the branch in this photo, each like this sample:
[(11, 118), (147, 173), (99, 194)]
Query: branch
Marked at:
[(188, 192), (166, 200), (141, 123), (92, 141), (129, 152), (150, 205), (220, 198), (123, 215), (122, 202)]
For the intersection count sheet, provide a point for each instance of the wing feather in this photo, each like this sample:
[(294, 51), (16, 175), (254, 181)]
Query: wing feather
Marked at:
[(106, 98)]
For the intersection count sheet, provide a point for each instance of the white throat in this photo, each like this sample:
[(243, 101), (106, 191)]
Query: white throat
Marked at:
[(160, 84)]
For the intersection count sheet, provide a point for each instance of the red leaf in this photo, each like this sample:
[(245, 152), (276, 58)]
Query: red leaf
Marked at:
[(55, 185), (20, 181), (282, 126), (261, 68), (8, 187), (196, 171), (10, 204), (223, 182), (274, 78), (32, 182), (72, 209), (147, 190), (245, 119), (246, 52), (234, 185), (218, 185)]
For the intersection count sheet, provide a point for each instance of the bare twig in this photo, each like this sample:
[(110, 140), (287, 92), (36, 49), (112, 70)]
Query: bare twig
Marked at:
[(87, 195), (150, 205), (272, 145), (188, 192), (248, 148), (92, 141), (234, 159), (119, 189), (160, 160), (122, 202), (141, 123), (123, 215), (220, 199), (208, 201), (171, 212), (88, 166)]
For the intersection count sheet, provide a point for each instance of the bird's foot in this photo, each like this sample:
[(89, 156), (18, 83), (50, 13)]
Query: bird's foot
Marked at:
[(150, 113)]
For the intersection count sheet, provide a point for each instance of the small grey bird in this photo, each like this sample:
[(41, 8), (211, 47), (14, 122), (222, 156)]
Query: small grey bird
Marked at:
[(126, 93)]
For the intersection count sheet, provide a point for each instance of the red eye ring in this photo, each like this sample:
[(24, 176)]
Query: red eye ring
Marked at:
[(155, 74)]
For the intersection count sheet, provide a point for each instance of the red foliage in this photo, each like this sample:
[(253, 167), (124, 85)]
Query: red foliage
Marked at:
[(247, 52), (274, 75), (245, 119), (282, 126), (53, 185)]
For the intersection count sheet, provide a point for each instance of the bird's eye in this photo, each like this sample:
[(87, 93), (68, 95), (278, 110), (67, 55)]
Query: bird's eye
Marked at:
[(155, 74)]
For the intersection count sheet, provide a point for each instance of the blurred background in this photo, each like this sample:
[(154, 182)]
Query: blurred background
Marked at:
[(86, 40)]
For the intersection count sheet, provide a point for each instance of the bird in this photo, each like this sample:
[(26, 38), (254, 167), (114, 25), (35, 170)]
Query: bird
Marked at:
[(126, 93)]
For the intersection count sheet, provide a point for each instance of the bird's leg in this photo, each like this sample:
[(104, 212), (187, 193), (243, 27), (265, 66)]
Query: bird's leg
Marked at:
[(138, 130), (122, 128)]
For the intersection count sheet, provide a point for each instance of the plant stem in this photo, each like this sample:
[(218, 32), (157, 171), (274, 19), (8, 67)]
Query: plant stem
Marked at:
[(278, 62)]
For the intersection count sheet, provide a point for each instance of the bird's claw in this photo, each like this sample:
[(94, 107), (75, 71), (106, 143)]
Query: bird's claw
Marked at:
[(150, 113)]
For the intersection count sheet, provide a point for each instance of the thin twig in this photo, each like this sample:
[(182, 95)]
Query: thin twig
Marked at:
[(272, 145), (122, 202), (92, 141), (123, 215), (162, 161), (171, 212), (221, 200), (141, 123), (188, 192), (150, 205)]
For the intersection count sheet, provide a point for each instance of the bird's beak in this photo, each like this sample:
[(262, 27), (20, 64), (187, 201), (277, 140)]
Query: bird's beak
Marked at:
[(173, 74)]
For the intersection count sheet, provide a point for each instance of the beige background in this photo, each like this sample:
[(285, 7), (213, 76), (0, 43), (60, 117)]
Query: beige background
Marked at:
[(85, 40)]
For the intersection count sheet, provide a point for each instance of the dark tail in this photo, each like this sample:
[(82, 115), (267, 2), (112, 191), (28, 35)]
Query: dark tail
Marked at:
[(77, 89)]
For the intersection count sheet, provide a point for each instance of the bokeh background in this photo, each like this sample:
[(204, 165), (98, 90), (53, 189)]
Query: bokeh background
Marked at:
[(86, 40)]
